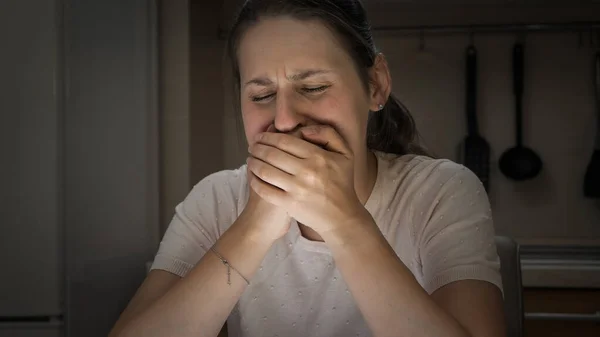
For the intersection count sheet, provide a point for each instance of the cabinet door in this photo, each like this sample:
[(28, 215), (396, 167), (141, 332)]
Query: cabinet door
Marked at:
[(111, 158), (562, 312), (29, 166)]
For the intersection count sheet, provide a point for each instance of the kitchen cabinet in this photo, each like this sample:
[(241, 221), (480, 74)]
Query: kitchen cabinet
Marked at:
[(582, 306), (561, 295), (30, 244), (79, 162)]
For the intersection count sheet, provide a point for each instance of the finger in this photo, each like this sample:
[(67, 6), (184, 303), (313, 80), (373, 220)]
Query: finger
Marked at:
[(292, 145), (268, 192), (271, 128), (275, 157), (250, 175), (270, 174), (327, 137)]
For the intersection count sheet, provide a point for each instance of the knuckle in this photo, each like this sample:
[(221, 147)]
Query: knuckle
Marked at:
[(284, 141), (261, 172), (301, 194), (258, 150), (268, 155), (310, 178), (320, 161)]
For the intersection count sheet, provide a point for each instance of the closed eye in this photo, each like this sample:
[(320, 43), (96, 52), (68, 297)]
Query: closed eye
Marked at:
[(262, 98), (306, 90), (317, 89)]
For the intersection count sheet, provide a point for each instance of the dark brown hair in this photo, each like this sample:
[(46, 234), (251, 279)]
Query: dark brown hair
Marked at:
[(391, 129)]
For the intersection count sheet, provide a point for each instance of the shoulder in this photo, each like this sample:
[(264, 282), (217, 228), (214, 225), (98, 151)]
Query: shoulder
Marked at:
[(222, 183), (428, 170), (443, 195), (216, 200), (430, 192), (448, 220), (422, 178)]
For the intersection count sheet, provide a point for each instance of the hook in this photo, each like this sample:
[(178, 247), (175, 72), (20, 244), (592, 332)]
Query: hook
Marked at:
[(422, 40), (471, 37), (522, 35)]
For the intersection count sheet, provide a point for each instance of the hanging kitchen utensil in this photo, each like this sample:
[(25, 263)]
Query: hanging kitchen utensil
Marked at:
[(591, 185), (519, 163), (476, 150)]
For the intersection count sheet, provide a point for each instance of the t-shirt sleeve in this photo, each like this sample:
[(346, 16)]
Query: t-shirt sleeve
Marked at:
[(457, 238), (199, 220)]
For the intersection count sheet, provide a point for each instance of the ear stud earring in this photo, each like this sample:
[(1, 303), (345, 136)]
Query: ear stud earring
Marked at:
[(380, 107)]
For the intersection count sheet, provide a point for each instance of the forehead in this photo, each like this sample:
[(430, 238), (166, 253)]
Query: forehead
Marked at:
[(284, 43)]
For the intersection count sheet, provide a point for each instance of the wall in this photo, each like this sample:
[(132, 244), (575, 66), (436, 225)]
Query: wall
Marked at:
[(559, 123), (558, 107), (191, 118), (206, 89), (174, 93), (469, 12)]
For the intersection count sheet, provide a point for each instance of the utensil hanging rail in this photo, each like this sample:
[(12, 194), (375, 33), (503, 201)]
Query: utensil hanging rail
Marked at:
[(491, 28), (577, 27)]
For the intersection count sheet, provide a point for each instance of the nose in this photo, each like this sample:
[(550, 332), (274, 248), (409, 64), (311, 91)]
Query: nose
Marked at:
[(287, 118)]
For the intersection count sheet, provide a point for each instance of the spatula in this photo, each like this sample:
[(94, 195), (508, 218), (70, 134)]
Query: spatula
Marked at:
[(476, 150), (591, 185)]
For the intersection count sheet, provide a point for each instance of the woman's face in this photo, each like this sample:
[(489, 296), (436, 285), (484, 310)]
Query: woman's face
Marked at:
[(295, 73)]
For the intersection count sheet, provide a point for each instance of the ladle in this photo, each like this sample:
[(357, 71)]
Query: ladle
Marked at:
[(520, 162)]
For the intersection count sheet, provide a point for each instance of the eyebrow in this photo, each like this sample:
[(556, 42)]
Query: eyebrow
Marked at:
[(294, 78)]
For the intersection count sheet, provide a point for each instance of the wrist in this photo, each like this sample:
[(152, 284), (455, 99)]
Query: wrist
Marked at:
[(352, 231), (253, 228)]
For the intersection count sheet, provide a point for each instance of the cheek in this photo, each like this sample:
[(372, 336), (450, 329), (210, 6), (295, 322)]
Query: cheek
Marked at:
[(348, 112), (255, 121)]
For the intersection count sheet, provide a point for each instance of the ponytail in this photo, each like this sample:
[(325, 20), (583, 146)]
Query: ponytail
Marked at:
[(393, 130)]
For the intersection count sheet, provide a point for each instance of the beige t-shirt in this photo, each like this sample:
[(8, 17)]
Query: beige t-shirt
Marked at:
[(434, 213)]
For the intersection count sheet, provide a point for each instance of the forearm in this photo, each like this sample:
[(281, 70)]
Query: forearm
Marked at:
[(387, 294), (199, 304)]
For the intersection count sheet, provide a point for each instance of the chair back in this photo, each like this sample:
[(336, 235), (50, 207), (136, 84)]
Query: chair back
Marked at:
[(510, 268)]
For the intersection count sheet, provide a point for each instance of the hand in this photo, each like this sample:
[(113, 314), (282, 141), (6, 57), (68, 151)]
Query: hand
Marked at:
[(268, 221), (311, 178)]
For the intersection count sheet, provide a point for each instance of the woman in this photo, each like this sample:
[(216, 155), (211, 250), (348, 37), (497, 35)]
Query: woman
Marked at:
[(337, 226)]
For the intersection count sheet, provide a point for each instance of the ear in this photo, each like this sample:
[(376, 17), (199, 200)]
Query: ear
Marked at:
[(380, 82)]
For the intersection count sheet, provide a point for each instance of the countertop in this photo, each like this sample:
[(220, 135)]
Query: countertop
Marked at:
[(560, 266)]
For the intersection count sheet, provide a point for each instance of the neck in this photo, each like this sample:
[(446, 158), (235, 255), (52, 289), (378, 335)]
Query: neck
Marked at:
[(365, 175)]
